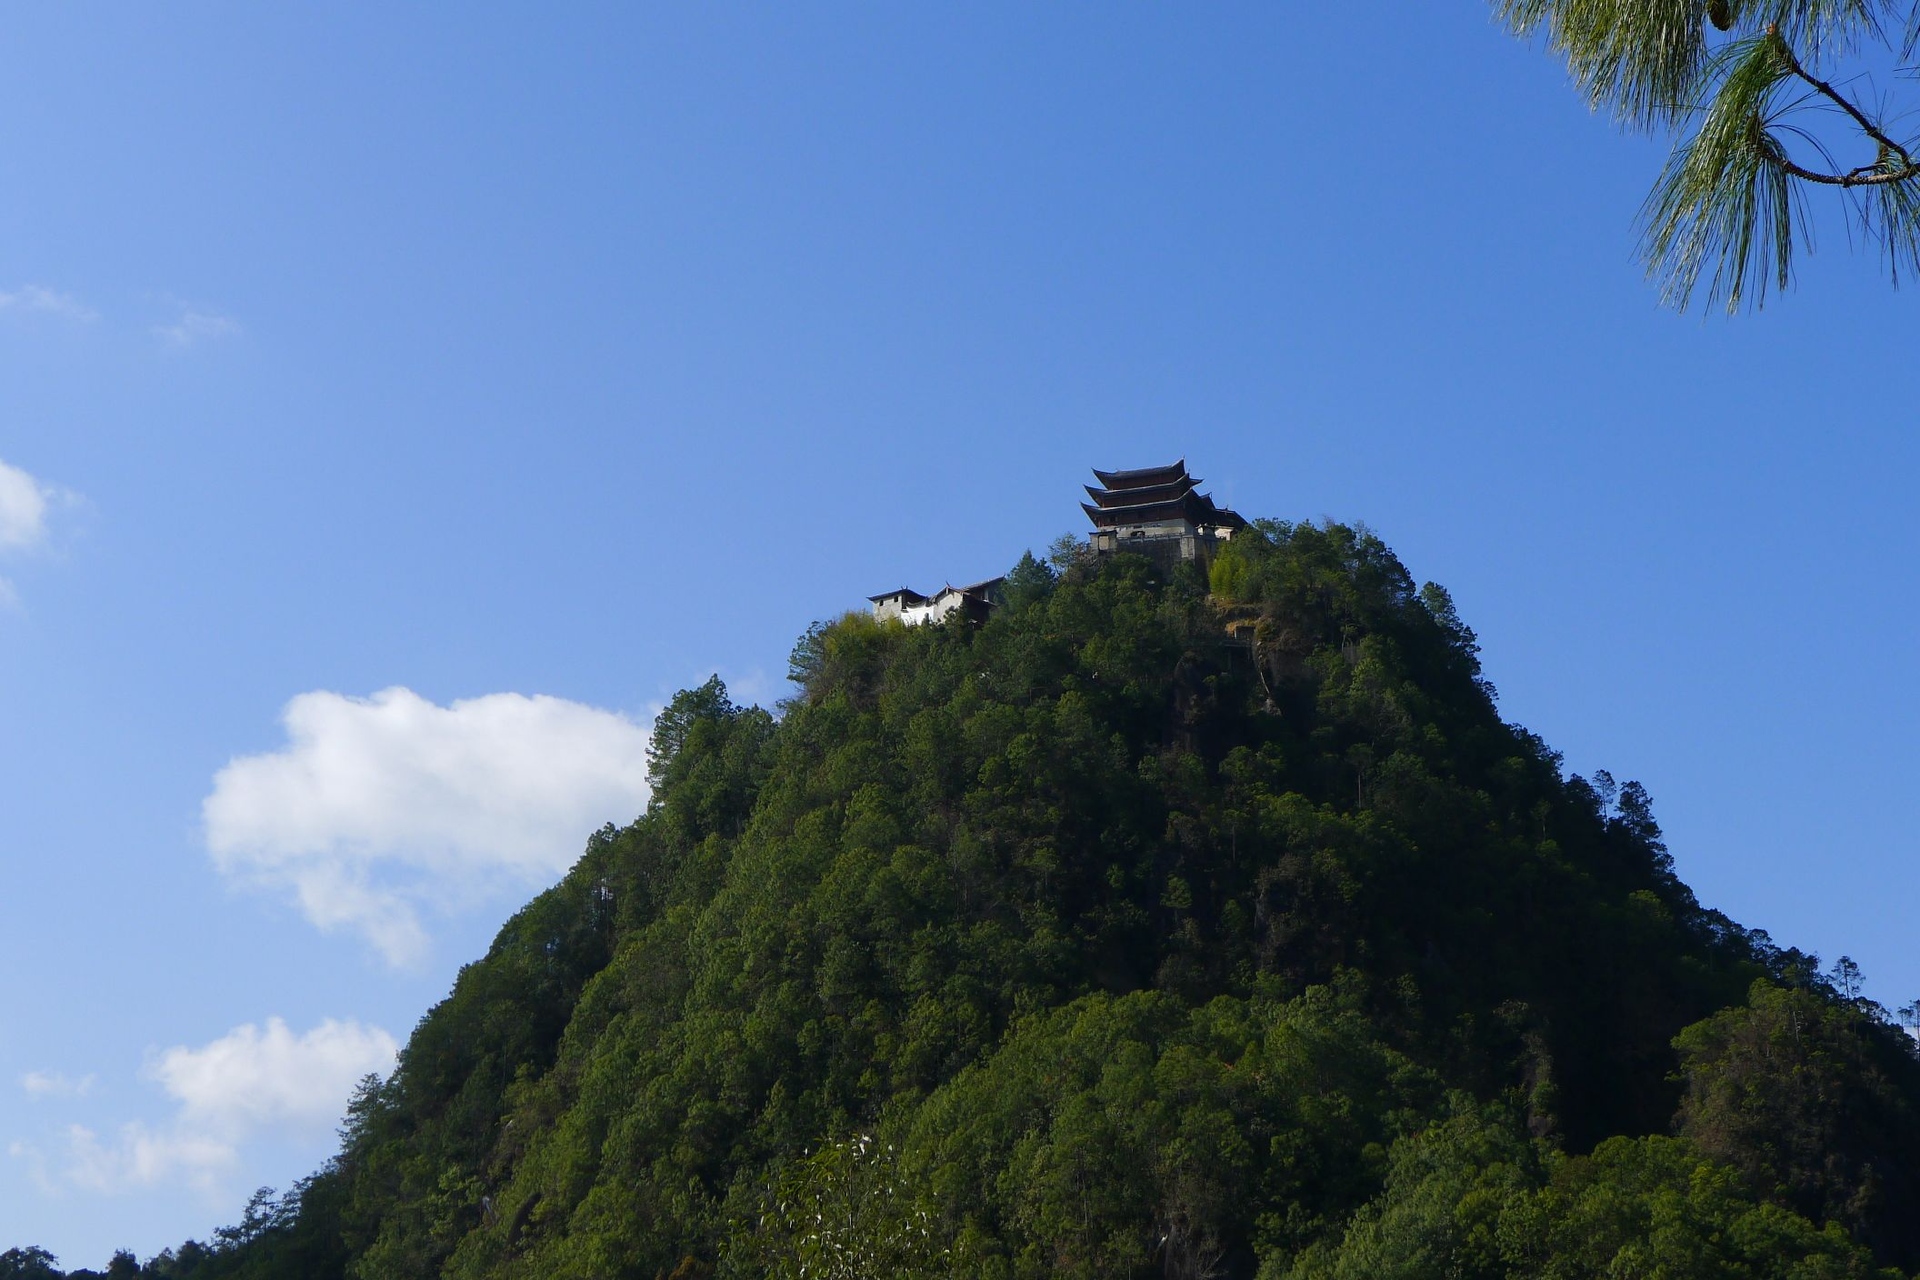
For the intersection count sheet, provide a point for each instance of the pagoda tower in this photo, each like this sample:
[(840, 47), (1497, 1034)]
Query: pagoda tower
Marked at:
[(1158, 512)]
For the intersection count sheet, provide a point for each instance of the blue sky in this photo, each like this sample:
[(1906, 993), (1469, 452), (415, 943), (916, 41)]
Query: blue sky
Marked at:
[(397, 407)]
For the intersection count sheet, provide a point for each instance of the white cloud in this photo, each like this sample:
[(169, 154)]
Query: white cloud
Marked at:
[(23, 508), (38, 299), (139, 1157), (25, 505), (379, 805), (51, 1084), (193, 326), (248, 1082), (251, 1079)]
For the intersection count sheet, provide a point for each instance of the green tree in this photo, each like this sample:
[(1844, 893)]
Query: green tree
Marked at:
[(1808, 1097), (1029, 581), (843, 1212), (30, 1263), (1764, 99), (1227, 576), (1473, 1198)]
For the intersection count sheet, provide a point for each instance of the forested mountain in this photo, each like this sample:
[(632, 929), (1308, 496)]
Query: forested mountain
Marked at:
[(1155, 927)]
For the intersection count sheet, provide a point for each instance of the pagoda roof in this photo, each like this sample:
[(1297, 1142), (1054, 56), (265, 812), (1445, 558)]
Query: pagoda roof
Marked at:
[(1190, 507), (1227, 517), (1143, 477), (1195, 508), (1110, 498), (1155, 495)]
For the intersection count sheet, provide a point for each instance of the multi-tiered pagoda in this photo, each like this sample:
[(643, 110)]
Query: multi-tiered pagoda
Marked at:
[(1158, 512)]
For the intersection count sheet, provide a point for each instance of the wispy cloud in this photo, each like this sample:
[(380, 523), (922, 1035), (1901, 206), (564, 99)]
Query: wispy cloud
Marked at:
[(38, 299), (251, 1081), (26, 505), (52, 1084), (379, 806), (23, 508), (193, 326), (138, 1157)]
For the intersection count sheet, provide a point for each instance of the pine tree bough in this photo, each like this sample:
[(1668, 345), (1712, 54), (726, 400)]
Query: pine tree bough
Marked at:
[(1737, 80), (1880, 172)]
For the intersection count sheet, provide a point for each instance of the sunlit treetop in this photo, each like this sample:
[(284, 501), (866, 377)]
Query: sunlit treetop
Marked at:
[(1777, 109)]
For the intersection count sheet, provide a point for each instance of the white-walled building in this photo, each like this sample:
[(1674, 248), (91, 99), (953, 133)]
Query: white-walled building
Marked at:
[(912, 608)]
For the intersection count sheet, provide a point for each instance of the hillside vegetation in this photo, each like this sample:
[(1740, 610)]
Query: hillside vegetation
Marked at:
[(1101, 941)]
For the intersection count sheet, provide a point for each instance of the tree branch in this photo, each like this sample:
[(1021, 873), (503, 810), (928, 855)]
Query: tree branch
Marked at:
[(1866, 175), (1858, 178)]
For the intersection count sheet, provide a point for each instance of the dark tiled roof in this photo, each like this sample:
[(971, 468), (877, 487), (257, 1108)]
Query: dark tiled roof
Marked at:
[(1152, 495), (1143, 477)]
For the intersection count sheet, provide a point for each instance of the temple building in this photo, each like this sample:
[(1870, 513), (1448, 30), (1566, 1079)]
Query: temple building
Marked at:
[(1157, 512), (912, 608)]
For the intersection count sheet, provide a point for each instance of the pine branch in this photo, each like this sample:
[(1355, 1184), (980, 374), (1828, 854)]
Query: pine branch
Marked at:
[(1731, 194), (1867, 175)]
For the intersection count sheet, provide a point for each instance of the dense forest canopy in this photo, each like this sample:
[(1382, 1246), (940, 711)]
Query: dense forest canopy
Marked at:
[(1162, 925)]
